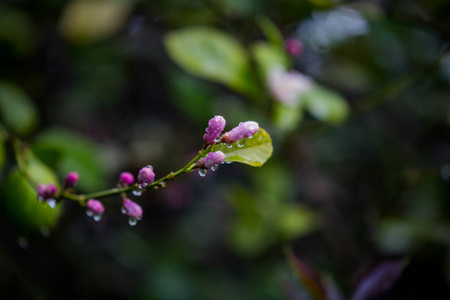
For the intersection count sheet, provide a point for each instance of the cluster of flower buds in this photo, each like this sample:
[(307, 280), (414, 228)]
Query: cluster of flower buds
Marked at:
[(146, 176), (241, 132), (214, 135)]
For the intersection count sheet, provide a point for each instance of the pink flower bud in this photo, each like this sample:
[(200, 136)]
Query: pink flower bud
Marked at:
[(95, 206), (214, 129), (146, 176), (133, 210), (95, 209), (46, 191), (126, 178), (213, 159), (293, 47), (71, 179), (244, 130)]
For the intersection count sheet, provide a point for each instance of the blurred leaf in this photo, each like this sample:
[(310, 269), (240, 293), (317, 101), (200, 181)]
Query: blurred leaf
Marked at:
[(271, 31), (16, 109), (295, 220), (192, 96), (20, 202), (84, 21), (310, 279), (255, 152), (211, 54), (398, 235), (326, 105), (250, 233), (285, 117), (16, 29), (67, 152), (379, 280), (268, 56)]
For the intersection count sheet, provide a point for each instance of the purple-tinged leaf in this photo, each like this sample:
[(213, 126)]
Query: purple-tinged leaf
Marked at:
[(379, 279), (309, 278)]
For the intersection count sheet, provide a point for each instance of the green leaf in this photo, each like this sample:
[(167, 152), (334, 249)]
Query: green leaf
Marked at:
[(17, 111), (255, 152), (211, 54), (326, 105), (67, 151), (268, 56), (19, 198)]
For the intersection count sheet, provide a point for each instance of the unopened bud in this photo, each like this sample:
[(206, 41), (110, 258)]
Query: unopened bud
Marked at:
[(212, 159), (244, 130), (126, 178), (133, 210), (293, 47), (71, 179), (146, 176), (95, 209), (214, 129)]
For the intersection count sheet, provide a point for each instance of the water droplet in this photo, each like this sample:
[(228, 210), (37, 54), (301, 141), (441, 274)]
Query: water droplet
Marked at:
[(40, 199), (202, 172), (214, 168), (89, 213), (230, 146), (217, 140), (240, 143), (23, 242), (51, 202), (143, 185), (132, 221), (97, 217), (137, 192), (228, 162), (162, 184), (250, 137), (123, 210), (149, 166)]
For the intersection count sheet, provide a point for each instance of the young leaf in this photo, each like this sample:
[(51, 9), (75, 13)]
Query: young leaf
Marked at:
[(271, 31), (326, 105), (17, 111), (20, 202), (379, 280), (211, 54), (268, 56), (255, 152), (309, 278)]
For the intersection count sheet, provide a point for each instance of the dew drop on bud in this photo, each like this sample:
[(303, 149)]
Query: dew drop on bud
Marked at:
[(40, 199), (123, 210), (240, 143), (132, 221), (228, 162), (137, 192), (214, 168), (97, 217), (89, 213), (51, 202), (230, 146), (202, 172), (217, 140), (250, 137)]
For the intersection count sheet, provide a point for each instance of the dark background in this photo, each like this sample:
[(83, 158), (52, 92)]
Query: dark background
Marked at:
[(344, 197)]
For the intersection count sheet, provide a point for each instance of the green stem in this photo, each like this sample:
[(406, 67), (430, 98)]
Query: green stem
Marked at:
[(117, 191)]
